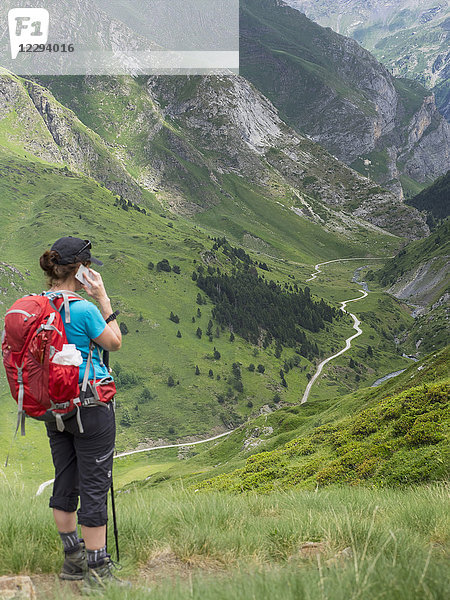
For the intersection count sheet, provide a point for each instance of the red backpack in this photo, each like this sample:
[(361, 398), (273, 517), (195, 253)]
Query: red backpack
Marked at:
[(33, 334)]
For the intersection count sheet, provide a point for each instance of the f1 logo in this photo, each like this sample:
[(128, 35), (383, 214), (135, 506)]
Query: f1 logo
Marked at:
[(27, 26)]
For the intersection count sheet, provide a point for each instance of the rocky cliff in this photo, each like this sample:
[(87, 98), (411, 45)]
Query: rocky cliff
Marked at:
[(332, 89), (31, 120), (181, 136), (410, 37)]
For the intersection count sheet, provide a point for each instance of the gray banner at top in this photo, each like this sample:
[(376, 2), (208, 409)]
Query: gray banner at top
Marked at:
[(112, 37)]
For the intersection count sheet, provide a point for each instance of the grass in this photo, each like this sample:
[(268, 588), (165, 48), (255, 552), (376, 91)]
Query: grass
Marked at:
[(224, 546)]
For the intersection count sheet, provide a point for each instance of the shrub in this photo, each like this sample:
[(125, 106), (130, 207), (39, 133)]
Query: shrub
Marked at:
[(170, 381), (174, 318), (261, 368), (145, 396), (117, 367), (424, 431), (126, 379), (251, 367), (364, 424), (332, 473), (163, 265), (125, 419)]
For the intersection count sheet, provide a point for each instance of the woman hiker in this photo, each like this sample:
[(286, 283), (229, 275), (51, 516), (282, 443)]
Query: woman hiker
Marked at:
[(83, 456)]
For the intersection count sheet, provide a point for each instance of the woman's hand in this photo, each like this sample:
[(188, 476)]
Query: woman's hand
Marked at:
[(95, 288), (111, 338)]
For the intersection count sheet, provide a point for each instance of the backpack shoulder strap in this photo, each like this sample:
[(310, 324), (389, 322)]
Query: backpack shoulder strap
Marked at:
[(62, 298)]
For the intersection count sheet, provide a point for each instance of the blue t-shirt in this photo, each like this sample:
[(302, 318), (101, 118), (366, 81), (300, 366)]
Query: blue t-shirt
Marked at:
[(86, 323)]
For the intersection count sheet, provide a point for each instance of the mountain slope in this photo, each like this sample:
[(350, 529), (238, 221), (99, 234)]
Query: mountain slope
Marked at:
[(410, 37), (420, 275), (34, 123), (434, 200), (391, 435), (187, 138), (330, 88)]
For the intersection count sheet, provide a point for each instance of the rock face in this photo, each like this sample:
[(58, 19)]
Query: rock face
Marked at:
[(17, 588), (426, 153), (410, 37), (240, 131), (37, 123), (419, 286), (329, 87)]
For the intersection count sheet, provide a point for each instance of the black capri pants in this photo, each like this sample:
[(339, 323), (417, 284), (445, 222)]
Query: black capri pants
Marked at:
[(83, 463)]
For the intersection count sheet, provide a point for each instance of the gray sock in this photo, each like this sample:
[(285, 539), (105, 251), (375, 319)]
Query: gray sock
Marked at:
[(95, 556), (70, 541)]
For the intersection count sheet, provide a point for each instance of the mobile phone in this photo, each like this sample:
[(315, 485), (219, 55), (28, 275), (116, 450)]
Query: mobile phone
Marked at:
[(80, 275)]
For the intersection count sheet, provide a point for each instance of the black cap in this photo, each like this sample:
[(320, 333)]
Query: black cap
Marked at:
[(72, 250)]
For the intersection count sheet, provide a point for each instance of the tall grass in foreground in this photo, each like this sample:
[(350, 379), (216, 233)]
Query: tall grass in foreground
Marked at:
[(252, 543)]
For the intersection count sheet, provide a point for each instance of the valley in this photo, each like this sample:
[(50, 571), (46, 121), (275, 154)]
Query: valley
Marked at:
[(277, 244)]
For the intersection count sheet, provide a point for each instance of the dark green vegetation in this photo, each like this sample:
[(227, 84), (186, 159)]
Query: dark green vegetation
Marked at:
[(401, 440), (434, 200), (262, 311)]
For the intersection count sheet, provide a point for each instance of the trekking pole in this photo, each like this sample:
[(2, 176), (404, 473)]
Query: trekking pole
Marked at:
[(113, 502)]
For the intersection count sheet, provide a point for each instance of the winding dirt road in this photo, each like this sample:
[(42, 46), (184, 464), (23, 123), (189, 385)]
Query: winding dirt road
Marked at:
[(356, 322), (318, 271), (348, 343)]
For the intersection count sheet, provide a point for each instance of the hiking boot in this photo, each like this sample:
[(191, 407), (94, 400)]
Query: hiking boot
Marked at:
[(100, 575), (75, 564)]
